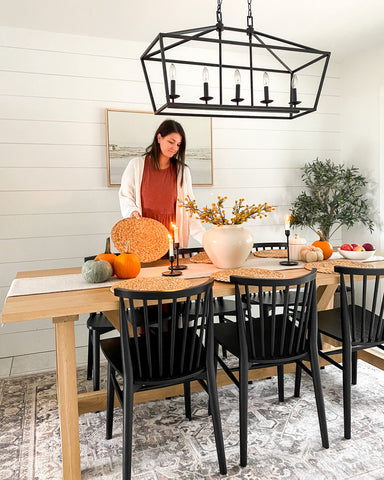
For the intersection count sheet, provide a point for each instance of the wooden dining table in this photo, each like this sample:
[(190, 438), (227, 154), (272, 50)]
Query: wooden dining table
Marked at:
[(64, 309)]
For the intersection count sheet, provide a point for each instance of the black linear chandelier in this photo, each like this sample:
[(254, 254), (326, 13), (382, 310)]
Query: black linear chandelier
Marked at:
[(243, 73)]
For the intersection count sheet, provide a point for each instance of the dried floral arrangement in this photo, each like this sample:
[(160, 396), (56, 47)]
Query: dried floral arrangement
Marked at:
[(216, 215)]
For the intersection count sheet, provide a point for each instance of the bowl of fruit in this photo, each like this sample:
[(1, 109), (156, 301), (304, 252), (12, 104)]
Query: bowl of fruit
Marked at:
[(353, 251)]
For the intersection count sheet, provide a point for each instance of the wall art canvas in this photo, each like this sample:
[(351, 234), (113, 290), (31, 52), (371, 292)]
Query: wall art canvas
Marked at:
[(129, 133)]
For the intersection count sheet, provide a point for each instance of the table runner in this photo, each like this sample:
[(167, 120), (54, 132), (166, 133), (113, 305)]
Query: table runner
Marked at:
[(64, 283)]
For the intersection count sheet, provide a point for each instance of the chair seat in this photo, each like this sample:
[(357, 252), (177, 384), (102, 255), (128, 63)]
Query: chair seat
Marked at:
[(99, 322), (330, 324), (267, 298), (221, 307), (227, 336), (112, 350)]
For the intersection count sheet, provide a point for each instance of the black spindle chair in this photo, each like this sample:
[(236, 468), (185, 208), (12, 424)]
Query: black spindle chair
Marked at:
[(267, 299), (97, 324), (358, 324), (177, 349), (287, 334), (222, 307)]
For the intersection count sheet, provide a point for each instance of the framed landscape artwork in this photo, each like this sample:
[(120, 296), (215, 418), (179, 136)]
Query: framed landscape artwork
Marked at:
[(129, 133)]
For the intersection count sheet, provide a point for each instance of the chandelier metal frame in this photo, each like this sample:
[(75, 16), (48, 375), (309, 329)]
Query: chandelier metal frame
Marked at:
[(171, 103)]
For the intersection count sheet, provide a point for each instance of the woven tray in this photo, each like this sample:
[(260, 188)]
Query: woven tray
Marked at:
[(224, 274), (273, 253), (156, 284), (327, 266), (201, 257), (148, 238)]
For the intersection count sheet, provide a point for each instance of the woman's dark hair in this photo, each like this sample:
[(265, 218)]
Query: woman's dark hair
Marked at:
[(153, 150)]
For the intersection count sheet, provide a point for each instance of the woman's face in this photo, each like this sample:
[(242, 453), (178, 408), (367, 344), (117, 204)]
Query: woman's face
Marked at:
[(170, 144)]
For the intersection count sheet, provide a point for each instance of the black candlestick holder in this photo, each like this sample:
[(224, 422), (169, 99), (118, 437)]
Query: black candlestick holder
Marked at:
[(288, 262), (171, 272), (177, 266)]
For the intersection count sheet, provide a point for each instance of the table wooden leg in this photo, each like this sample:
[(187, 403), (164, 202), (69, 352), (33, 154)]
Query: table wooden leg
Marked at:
[(67, 396), (325, 296)]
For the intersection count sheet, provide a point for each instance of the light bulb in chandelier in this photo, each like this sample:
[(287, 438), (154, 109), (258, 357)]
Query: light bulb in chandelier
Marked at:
[(266, 99), (294, 84), (172, 76), (206, 96), (237, 78)]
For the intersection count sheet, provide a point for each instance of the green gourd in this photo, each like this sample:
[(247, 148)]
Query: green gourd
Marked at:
[(96, 271)]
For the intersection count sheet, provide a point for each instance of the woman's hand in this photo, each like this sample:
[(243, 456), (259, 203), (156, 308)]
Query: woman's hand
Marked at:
[(136, 214)]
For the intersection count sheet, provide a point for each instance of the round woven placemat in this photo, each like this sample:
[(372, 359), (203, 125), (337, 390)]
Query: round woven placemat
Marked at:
[(201, 257), (224, 274), (156, 284), (147, 238), (327, 266), (273, 253)]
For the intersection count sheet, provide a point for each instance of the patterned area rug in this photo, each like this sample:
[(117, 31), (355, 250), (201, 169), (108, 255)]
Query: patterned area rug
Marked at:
[(284, 439)]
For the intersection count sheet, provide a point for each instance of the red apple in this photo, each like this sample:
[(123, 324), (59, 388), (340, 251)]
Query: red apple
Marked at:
[(368, 247), (346, 246), (358, 248), (353, 245)]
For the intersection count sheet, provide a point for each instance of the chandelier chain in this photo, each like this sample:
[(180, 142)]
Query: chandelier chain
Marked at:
[(250, 17), (219, 16)]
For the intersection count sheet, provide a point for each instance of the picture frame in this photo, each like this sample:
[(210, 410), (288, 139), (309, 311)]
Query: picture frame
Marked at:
[(129, 132)]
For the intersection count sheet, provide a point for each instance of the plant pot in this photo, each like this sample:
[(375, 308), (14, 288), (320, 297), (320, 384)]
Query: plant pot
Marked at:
[(228, 246)]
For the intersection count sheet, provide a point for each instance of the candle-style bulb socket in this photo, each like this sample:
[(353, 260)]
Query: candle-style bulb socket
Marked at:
[(237, 98), (266, 100), (206, 97), (173, 94)]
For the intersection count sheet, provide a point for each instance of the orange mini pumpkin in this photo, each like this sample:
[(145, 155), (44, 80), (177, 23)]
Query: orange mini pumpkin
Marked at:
[(127, 265), (107, 255), (325, 246)]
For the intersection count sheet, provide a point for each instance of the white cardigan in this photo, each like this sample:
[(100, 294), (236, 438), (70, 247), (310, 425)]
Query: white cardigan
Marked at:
[(130, 199)]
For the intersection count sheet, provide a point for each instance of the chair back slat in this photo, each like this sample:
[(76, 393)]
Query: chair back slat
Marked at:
[(362, 311), (284, 321), (167, 341), (282, 329)]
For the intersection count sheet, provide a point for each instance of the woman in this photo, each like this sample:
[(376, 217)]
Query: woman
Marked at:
[(151, 185)]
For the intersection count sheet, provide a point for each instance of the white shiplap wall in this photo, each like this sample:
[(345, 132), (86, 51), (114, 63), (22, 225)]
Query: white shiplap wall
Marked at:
[(56, 207)]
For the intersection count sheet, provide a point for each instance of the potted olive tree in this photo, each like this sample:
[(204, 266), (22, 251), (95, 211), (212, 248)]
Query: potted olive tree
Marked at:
[(334, 197)]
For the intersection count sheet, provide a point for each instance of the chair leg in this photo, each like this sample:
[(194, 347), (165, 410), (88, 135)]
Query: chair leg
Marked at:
[(110, 402), (187, 400), (243, 410), (90, 356), (297, 380), (216, 419), (280, 382), (315, 369), (354, 368), (96, 360), (127, 430), (347, 380), (223, 350)]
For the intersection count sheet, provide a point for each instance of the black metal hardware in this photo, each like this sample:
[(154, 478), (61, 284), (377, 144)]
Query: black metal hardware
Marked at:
[(290, 101)]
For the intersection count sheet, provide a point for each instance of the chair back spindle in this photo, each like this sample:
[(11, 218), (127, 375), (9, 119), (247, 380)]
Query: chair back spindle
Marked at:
[(282, 330), (172, 339), (363, 310)]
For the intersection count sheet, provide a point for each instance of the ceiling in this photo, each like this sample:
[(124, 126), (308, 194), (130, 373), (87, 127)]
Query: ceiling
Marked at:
[(340, 26)]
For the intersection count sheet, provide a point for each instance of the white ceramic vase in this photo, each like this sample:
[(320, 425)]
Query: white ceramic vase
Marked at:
[(228, 246)]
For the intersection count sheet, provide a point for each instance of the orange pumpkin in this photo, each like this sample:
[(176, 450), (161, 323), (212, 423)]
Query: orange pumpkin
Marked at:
[(325, 246), (107, 255), (127, 265)]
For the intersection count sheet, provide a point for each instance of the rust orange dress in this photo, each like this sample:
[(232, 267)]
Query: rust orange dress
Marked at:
[(159, 193)]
